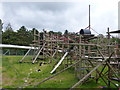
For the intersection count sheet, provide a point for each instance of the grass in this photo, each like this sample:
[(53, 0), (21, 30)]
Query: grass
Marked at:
[(25, 75)]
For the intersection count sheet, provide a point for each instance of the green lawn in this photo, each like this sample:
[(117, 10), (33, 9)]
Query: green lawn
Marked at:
[(25, 75)]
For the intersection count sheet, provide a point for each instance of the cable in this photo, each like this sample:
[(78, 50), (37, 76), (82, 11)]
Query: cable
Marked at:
[(92, 29)]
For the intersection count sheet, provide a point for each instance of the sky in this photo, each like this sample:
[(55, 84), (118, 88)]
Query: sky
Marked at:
[(59, 16)]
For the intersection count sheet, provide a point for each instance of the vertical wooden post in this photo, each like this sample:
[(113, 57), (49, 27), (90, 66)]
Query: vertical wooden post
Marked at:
[(89, 17), (34, 40), (80, 46), (79, 65), (42, 42), (88, 51), (57, 47), (84, 51), (108, 42), (98, 38), (1, 26), (108, 60), (51, 46)]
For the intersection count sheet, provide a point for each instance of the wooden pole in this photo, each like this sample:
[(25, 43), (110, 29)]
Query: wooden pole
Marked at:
[(89, 17), (86, 76), (25, 55), (39, 53), (108, 54), (56, 73)]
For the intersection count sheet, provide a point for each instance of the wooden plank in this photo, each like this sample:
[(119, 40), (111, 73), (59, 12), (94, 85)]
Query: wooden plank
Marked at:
[(86, 76), (82, 44), (98, 72), (55, 52), (38, 53), (54, 40), (113, 70), (25, 55), (57, 73), (59, 62)]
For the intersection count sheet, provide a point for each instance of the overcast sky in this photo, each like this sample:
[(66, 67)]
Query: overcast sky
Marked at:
[(59, 16)]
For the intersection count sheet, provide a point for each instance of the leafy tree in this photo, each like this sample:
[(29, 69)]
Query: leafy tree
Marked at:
[(59, 33), (24, 36), (55, 33), (51, 32), (9, 28), (9, 36), (21, 37), (66, 32)]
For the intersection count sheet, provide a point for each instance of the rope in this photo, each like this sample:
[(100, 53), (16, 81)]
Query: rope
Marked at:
[(92, 29)]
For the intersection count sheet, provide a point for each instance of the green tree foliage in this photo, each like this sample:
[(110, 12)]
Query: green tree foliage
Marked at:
[(9, 36), (59, 33), (66, 32), (21, 37), (55, 33), (24, 36), (9, 27)]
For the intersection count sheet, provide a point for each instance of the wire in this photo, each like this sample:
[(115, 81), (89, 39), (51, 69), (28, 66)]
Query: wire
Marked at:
[(92, 29)]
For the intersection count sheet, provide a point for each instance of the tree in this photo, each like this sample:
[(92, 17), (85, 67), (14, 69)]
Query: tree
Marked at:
[(9, 28), (59, 33), (66, 32), (24, 36), (51, 32), (9, 36)]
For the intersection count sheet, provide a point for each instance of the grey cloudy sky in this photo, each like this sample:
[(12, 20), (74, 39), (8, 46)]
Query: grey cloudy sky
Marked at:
[(59, 16)]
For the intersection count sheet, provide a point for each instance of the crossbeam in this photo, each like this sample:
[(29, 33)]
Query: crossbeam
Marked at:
[(86, 76)]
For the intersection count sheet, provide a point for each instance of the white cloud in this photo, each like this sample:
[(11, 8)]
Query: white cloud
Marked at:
[(105, 14), (61, 16)]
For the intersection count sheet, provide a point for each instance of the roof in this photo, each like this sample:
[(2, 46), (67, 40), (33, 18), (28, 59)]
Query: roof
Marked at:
[(15, 46), (118, 31)]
